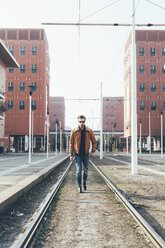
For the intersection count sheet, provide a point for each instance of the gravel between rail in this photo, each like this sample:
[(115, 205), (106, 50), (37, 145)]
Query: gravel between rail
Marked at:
[(145, 190), (92, 219)]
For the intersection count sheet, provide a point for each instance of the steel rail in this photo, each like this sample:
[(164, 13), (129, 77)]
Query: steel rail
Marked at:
[(147, 229), (25, 238)]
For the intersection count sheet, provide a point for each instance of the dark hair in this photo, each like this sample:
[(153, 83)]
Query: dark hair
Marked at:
[(81, 117)]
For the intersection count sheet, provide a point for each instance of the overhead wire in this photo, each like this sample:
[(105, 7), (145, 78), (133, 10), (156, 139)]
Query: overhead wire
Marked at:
[(97, 11), (155, 4)]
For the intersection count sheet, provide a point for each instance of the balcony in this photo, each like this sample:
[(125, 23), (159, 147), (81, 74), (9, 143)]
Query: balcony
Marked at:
[(2, 94), (1, 116)]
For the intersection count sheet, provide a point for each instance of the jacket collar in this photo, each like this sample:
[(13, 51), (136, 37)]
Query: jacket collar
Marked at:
[(86, 129)]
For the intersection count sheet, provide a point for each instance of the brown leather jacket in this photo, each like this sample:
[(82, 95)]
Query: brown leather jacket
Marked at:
[(75, 140)]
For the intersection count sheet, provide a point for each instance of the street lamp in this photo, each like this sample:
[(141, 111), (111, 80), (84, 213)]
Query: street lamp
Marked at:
[(47, 153), (30, 100), (161, 134), (140, 137)]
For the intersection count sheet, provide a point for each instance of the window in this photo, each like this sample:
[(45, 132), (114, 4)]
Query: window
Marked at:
[(153, 105), (59, 114), (11, 70), (112, 106), (34, 105), (10, 105), (163, 87), (54, 114), (11, 49), (10, 86), (163, 69), (54, 105), (153, 69), (142, 105), (34, 68), (106, 123), (141, 69), (152, 51), (106, 114), (34, 50), (141, 87), (59, 105), (22, 105), (163, 51), (22, 86), (38, 142), (23, 50), (22, 68), (112, 114), (163, 105), (34, 84), (106, 106), (141, 51), (153, 87)]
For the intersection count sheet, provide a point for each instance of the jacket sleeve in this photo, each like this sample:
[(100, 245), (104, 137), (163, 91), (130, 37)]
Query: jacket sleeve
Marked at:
[(93, 139), (71, 145)]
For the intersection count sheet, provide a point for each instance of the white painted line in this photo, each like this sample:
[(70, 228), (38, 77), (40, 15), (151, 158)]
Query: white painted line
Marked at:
[(140, 166), (12, 158), (23, 166), (152, 171)]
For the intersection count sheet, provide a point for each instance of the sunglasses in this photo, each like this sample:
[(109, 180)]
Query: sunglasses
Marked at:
[(81, 121)]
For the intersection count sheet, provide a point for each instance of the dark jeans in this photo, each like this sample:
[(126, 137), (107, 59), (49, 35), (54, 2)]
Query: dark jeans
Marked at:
[(81, 161)]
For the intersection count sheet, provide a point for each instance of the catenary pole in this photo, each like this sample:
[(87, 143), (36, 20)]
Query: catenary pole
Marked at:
[(56, 141), (161, 135), (133, 102), (47, 153), (30, 96), (140, 143), (101, 123), (149, 133)]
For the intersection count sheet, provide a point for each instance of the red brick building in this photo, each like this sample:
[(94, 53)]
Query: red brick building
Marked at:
[(56, 114), (113, 114), (30, 48), (150, 64)]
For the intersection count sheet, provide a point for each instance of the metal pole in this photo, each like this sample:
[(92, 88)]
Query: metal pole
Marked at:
[(133, 102), (47, 155), (101, 123), (127, 144), (60, 139), (149, 133), (56, 139), (44, 134), (161, 135), (32, 129), (29, 161), (140, 143)]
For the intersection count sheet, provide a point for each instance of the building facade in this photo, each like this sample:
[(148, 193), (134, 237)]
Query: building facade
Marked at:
[(57, 115), (30, 48), (150, 73), (113, 114), (6, 60)]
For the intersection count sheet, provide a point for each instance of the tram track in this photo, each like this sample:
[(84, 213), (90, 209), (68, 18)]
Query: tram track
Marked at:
[(29, 230), (25, 237), (147, 229)]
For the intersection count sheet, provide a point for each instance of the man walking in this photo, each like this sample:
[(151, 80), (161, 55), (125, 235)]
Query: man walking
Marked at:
[(80, 147)]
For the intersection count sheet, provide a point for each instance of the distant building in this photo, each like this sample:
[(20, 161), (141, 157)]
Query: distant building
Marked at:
[(113, 114), (6, 60), (150, 65), (57, 115), (30, 48)]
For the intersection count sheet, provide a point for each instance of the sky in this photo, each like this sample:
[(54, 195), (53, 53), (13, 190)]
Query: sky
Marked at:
[(82, 58)]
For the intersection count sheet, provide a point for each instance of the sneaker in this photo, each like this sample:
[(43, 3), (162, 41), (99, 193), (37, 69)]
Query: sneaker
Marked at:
[(80, 189), (85, 186)]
